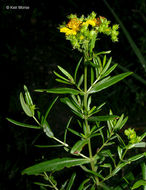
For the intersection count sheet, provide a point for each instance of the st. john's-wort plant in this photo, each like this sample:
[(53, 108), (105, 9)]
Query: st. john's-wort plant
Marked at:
[(104, 163)]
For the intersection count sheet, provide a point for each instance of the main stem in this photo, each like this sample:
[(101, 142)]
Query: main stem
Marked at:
[(86, 121)]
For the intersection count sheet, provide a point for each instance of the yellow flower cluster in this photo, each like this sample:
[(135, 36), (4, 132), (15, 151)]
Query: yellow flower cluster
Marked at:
[(92, 22), (72, 27), (83, 31)]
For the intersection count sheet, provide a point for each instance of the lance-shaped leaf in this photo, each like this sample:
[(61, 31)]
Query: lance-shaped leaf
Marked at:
[(103, 84), (67, 74), (120, 151), (54, 165), (121, 122), (77, 148), (47, 129), (27, 96), (74, 107), (102, 118), (137, 157), (139, 183), (26, 108), (22, 124), (60, 91), (71, 182), (76, 70)]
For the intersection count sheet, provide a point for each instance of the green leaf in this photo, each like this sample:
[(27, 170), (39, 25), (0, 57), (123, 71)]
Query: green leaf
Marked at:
[(103, 52), (76, 70), (22, 124), (29, 112), (92, 75), (106, 66), (27, 96), (74, 132), (138, 184), (54, 165), (80, 81), (49, 146), (74, 108), (63, 78), (137, 157), (92, 172), (47, 129), (50, 107), (67, 126), (82, 185), (60, 91), (109, 70), (62, 81), (71, 182), (107, 83), (102, 118), (66, 74), (78, 146), (119, 167), (138, 145), (120, 151)]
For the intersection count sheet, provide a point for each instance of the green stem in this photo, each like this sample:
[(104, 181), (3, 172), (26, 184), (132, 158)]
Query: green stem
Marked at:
[(53, 185), (36, 120), (64, 144), (86, 122)]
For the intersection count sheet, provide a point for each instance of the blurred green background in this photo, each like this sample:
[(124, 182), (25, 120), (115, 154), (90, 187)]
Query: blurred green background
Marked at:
[(32, 47)]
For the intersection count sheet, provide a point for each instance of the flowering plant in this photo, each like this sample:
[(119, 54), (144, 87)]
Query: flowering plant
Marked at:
[(100, 163)]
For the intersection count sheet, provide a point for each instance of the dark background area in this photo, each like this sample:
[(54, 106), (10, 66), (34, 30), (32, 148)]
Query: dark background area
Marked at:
[(31, 47)]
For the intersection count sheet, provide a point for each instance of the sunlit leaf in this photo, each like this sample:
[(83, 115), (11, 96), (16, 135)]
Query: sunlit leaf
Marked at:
[(66, 74), (54, 165), (107, 83), (47, 129), (120, 151), (26, 108)]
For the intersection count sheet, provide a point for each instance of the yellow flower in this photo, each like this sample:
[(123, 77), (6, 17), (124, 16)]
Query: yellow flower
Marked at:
[(67, 31), (74, 24), (92, 22), (81, 37)]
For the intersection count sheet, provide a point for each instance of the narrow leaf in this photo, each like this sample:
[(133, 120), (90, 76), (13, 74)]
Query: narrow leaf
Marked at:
[(111, 81), (63, 78), (25, 107), (78, 146), (138, 184), (60, 91), (71, 182), (137, 157), (47, 129), (107, 66), (76, 70), (102, 118), (22, 124), (27, 96), (66, 73), (50, 107), (65, 133), (62, 81), (109, 70), (120, 151), (54, 165)]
